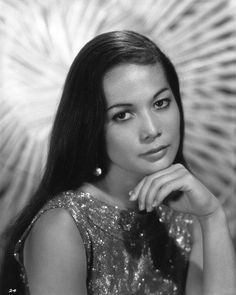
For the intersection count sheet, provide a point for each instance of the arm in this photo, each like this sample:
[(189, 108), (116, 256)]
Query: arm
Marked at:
[(195, 269), (212, 268), (216, 275), (54, 256), (219, 267)]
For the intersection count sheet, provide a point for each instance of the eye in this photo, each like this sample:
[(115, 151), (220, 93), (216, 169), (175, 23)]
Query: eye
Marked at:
[(162, 103), (121, 116)]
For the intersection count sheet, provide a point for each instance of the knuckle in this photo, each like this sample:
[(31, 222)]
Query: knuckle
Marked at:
[(180, 166), (146, 181), (155, 182), (189, 177)]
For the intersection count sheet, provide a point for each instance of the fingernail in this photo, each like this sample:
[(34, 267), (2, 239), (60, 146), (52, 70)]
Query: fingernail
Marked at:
[(154, 204), (141, 207), (132, 196)]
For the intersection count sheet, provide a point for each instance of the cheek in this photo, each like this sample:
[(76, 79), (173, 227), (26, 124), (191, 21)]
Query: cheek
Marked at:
[(175, 118), (119, 142), (176, 125), (172, 127)]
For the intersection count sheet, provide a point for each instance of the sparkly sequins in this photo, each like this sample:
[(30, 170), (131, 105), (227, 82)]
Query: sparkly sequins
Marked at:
[(12, 291), (127, 252)]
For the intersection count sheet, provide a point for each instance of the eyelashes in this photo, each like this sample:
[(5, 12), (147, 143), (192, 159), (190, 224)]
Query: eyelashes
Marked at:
[(122, 116), (162, 103), (125, 115)]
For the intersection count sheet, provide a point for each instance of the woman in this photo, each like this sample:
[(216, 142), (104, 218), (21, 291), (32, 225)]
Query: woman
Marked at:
[(117, 210)]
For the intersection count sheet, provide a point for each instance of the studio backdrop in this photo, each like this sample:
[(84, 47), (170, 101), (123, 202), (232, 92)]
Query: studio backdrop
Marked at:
[(39, 40)]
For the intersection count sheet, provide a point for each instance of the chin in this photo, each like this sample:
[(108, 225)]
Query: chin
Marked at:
[(156, 167)]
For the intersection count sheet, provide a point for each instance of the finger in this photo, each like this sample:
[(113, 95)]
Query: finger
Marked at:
[(153, 181), (141, 195), (157, 184), (134, 194), (167, 188)]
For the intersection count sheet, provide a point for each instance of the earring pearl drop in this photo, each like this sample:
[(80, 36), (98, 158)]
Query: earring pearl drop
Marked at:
[(98, 171)]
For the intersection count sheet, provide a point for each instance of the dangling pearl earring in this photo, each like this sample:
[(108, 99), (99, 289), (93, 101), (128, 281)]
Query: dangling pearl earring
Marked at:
[(98, 171)]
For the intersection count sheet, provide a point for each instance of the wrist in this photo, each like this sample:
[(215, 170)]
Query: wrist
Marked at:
[(214, 221)]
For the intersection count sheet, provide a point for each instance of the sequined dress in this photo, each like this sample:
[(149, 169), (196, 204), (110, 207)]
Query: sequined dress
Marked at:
[(127, 252)]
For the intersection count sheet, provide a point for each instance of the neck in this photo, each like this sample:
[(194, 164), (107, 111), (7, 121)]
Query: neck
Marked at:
[(115, 188)]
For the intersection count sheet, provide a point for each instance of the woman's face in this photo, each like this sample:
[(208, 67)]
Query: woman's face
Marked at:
[(143, 121)]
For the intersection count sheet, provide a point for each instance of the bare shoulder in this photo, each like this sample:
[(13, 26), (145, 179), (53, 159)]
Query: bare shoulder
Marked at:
[(54, 247), (56, 221), (54, 227)]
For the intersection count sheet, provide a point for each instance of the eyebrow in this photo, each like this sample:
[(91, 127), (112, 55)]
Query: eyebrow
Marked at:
[(130, 104)]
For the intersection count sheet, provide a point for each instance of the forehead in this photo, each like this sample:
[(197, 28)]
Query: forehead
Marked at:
[(132, 81)]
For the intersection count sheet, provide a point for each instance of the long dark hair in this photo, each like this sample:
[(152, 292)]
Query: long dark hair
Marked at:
[(77, 144)]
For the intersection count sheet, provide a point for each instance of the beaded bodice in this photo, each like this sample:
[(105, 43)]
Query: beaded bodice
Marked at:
[(127, 252)]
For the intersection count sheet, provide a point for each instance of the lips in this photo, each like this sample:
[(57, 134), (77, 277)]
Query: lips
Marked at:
[(154, 151)]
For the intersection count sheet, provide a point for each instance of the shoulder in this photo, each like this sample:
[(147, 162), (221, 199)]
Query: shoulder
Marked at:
[(52, 248), (55, 231), (54, 227), (61, 217), (72, 199), (53, 222)]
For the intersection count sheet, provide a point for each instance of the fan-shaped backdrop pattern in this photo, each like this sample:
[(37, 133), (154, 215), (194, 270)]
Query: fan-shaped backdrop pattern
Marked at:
[(40, 40)]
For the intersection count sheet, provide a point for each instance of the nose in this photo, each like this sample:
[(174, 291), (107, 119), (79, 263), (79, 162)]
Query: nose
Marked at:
[(150, 127)]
